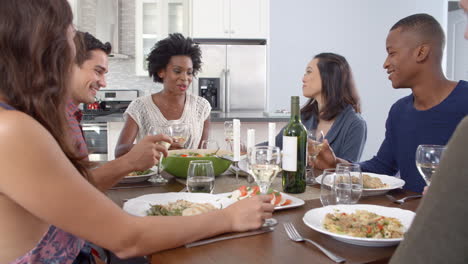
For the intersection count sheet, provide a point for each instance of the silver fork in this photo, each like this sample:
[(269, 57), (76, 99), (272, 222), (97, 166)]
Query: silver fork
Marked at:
[(294, 236), (402, 200)]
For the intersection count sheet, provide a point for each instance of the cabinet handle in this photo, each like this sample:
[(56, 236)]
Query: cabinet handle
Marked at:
[(228, 90), (226, 31), (232, 32)]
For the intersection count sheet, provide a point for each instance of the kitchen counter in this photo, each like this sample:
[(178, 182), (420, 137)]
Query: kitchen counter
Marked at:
[(257, 116)]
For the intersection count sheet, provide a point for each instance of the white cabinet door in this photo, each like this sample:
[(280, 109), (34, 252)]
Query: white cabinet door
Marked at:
[(229, 18), (248, 18), (113, 134), (210, 18), (154, 20)]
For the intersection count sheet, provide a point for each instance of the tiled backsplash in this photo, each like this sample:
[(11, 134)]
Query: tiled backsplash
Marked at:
[(122, 76)]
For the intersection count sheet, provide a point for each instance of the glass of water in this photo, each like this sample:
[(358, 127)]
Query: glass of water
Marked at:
[(428, 159), (327, 190), (200, 176), (355, 180)]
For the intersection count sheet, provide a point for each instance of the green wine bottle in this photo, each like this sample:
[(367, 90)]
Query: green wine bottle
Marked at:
[(294, 151)]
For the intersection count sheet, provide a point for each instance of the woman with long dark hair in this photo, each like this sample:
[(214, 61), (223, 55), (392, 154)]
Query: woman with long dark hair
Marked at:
[(333, 106), (47, 207)]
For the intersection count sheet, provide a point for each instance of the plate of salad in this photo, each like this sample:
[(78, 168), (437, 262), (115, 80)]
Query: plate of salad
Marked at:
[(138, 176), (279, 199)]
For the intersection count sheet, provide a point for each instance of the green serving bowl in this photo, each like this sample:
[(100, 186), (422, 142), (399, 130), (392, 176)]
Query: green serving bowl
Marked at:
[(178, 166)]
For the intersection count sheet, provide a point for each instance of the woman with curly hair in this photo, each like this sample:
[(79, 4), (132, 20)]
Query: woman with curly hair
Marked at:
[(174, 61)]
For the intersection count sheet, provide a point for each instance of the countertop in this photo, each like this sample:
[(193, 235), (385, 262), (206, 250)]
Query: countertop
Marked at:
[(243, 116)]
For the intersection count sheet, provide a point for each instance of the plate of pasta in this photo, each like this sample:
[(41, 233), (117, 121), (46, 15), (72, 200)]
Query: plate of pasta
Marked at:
[(174, 203), (377, 184), (361, 224)]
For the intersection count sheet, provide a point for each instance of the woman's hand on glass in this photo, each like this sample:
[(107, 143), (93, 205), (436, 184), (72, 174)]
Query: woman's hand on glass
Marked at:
[(248, 214)]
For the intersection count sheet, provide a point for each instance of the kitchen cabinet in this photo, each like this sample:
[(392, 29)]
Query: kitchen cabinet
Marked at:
[(113, 134), (230, 19), (155, 20)]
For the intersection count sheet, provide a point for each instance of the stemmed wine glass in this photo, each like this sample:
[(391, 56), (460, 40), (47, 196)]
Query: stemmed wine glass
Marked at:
[(157, 178), (179, 133), (228, 133), (264, 162), (314, 146), (428, 159)]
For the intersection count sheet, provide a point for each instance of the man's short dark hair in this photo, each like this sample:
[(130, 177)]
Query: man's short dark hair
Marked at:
[(85, 43), (425, 27), (174, 45)]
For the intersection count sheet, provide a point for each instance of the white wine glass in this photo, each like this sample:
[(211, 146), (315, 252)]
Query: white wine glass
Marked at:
[(228, 134), (179, 133), (200, 176), (356, 181), (428, 159), (166, 130), (314, 146), (264, 162)]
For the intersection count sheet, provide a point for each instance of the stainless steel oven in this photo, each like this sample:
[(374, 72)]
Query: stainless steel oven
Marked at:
[(95, 135)]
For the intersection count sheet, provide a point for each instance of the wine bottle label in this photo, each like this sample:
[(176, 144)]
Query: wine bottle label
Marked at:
[(289, 153)]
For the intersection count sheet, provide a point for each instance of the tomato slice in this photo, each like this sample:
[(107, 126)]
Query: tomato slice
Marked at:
[(243, 190), (255, 190)]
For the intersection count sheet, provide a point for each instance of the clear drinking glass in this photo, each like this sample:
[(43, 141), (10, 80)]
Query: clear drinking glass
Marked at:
[(179, 133), (314, 146), (228, 134), (355, 179), (166, 130), (327, 191), (264, 162), (200, 176), (428, 159)]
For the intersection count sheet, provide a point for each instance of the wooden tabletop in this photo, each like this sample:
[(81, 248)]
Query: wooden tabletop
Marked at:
[(275, 247)]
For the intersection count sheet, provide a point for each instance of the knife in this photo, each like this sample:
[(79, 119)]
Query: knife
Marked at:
[(244, 234)]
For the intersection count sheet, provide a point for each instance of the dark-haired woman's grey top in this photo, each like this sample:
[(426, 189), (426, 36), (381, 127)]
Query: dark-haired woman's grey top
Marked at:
[(347, 136)]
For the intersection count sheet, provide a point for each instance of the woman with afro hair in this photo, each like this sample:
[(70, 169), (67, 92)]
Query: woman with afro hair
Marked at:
[(173, 61)]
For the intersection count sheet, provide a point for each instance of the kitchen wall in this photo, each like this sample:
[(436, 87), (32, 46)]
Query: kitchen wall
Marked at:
[(356, 29)]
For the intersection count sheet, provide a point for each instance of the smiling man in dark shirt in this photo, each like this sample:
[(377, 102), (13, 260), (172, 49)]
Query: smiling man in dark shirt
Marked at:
[(429, 115)]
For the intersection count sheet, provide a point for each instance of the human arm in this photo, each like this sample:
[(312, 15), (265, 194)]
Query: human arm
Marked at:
[(38, 177), (127, 137), (142, 156), (384, 162), (206, 131)]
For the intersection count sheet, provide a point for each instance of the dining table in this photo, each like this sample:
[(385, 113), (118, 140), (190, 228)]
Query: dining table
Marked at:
[(270, 247)]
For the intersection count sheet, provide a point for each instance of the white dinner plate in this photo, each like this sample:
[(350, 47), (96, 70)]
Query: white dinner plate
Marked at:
[(295, 202), (138, 178), (315, 218), (139, 205), (391, 181)]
